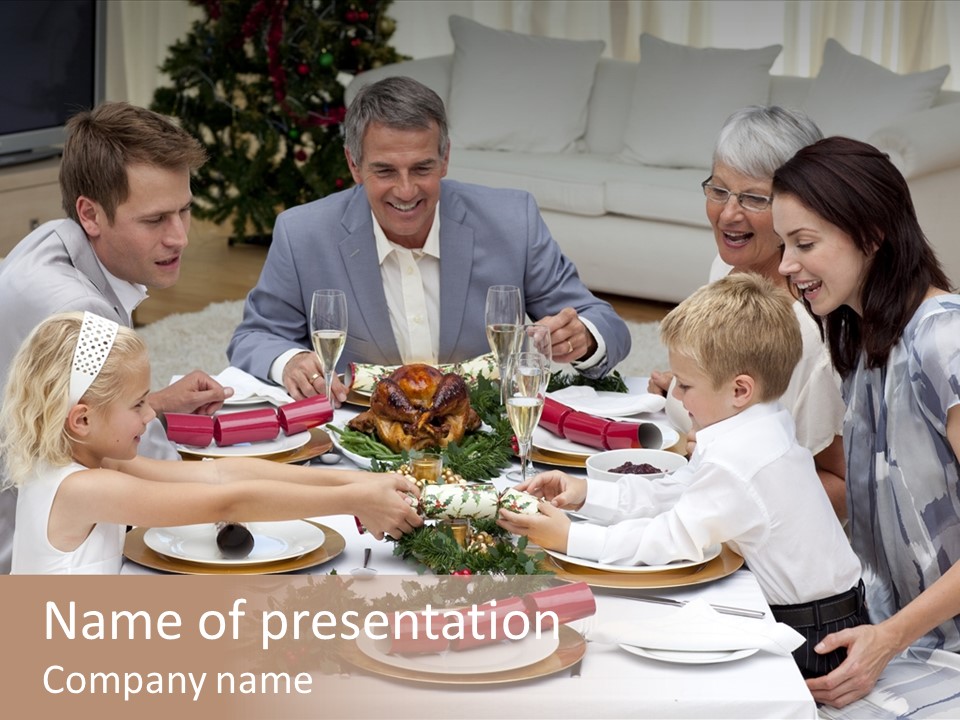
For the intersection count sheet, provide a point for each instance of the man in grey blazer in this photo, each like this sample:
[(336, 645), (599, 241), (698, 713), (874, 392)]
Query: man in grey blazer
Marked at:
[(414, 255), (125, 182)]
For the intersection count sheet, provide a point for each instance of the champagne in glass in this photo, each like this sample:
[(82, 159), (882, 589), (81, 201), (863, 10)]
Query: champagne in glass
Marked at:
[(503, 339), (504, 314), (526, 382), (524, 414), (328, 331)]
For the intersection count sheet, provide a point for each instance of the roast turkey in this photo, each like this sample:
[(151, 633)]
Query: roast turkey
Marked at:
[(418, 407)]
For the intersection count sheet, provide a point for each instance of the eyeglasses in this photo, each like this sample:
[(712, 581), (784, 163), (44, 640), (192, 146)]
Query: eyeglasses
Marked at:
[(748, 201)]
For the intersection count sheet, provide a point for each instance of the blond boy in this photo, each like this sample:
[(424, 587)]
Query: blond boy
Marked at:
[(733, 346)]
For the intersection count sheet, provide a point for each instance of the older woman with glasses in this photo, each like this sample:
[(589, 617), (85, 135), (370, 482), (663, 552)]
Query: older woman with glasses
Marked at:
[(752, 144)]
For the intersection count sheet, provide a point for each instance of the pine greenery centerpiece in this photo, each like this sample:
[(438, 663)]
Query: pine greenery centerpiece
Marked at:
[(489, 550), (261, 84)]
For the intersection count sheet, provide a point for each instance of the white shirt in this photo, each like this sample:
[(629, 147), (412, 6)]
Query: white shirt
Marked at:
[(749, 484), (129, 294), (411, 283)]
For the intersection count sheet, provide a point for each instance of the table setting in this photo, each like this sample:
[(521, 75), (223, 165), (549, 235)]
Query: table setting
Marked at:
[(584, 675), (634, 648)]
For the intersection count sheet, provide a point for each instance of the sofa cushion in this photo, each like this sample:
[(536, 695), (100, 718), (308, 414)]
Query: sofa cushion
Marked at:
[(610, 102), (853, 96), (589, 184), (683, 95), (657, 193), (510, 91), (567, 182)]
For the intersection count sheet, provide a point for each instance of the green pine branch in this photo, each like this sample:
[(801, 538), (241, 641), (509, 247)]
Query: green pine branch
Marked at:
[(257, 82)]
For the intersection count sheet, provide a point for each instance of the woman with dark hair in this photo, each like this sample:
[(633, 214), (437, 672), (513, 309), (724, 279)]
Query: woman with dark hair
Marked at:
[(855, 252)]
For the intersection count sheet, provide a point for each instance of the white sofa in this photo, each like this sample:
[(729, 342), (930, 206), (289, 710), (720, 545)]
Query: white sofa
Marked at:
[(640, 230)]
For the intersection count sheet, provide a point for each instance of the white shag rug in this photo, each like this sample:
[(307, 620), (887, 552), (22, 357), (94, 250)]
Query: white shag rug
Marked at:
[(198, 341)]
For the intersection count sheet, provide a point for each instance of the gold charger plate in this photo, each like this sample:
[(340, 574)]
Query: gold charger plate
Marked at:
[(726, 563), (135, 549), (571, 649), (547, 457), (317, 445), (358, 398)]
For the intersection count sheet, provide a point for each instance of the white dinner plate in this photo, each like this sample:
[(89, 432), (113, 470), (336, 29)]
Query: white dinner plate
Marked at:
[(359, 460), (246, 407), (709, 554), (282, 443), (505, 655), (272, 541), (546, 440), (606, 404), (691, 657), (251, 400)]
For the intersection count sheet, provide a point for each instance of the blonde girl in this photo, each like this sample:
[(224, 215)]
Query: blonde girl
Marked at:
[(73, 413)]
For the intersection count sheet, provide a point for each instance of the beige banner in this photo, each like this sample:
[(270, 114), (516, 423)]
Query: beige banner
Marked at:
[(217, 647)]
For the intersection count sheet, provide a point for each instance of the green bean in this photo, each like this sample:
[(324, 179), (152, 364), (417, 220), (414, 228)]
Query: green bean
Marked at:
[(362, 444)]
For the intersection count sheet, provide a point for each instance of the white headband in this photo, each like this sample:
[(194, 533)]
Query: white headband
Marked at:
[(93, 345)]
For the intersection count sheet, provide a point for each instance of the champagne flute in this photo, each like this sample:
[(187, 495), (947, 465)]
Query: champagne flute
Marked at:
[(532, 338), (503, 317), (527, 376), (328, 331)]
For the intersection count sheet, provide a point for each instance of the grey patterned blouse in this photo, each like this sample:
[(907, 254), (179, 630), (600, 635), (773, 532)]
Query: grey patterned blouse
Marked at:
[(903, 496)]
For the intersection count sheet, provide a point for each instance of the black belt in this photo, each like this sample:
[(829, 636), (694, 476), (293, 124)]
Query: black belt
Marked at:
[(820, 612)]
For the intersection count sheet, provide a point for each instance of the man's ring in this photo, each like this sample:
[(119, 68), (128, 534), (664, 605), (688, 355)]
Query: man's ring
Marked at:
[(314, 377), (570, 347)]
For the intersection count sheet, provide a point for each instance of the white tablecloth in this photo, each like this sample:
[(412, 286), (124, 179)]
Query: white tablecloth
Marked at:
[(613, 683)]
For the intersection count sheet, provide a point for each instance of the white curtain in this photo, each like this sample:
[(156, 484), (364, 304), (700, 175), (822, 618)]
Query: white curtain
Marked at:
[(903, 35), (139, 33)]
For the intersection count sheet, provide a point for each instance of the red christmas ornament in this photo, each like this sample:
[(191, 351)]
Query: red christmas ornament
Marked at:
[(352, 16), (338, 183), (463, 572), (300, 155), (303, 68), (364, 15), (514, 445), (356, 42)]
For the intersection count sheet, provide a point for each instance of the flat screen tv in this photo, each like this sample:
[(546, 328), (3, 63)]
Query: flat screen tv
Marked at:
[(51, 66)]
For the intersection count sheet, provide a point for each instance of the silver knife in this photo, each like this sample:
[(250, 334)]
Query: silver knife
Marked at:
[(725, 609)]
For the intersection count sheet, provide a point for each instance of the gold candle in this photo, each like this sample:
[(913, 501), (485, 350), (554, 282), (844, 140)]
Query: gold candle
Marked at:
[(461, 531), (426, 466)]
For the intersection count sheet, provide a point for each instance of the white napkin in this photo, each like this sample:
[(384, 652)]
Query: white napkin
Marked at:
[(247, 387), (608, 404), (697, 627)]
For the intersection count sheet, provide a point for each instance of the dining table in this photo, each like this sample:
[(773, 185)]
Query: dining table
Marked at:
[(608, 682)]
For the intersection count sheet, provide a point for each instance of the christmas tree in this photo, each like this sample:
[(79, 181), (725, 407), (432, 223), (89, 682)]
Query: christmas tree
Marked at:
[(260, 83)]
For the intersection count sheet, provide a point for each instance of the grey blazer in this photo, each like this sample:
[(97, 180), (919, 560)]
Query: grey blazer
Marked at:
[(487, 237), (53, 269)]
